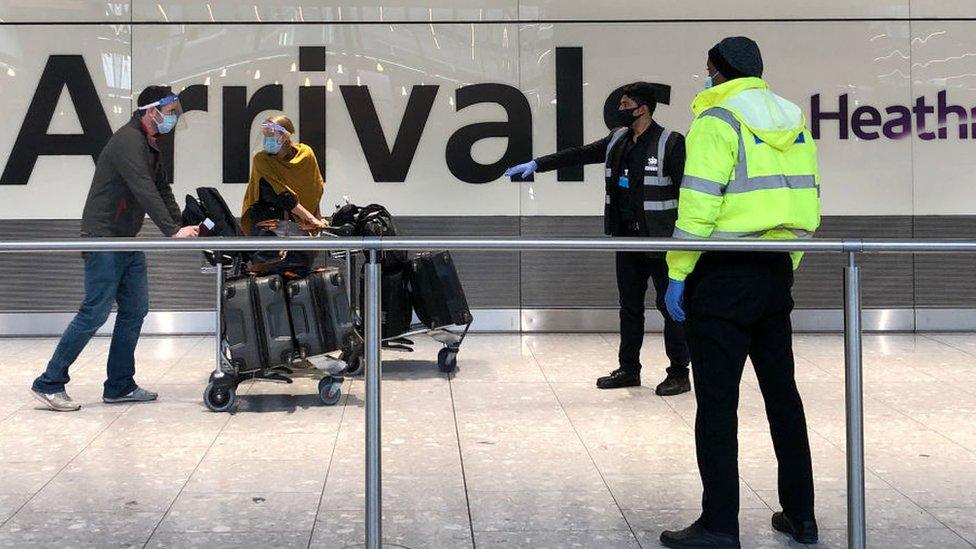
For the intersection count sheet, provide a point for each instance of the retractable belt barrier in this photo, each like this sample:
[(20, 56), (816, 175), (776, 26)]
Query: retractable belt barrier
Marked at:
[(373, 246)]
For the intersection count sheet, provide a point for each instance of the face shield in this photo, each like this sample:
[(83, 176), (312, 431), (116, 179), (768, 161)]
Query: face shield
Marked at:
[(272, 137), (167, 113)]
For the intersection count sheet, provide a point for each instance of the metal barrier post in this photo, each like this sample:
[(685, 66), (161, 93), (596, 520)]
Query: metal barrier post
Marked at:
[(374, 504), (218, 332), (856, 536), (349, 281)]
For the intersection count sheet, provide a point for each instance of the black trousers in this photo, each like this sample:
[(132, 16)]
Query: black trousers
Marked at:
[(738, 305), (633, 271)]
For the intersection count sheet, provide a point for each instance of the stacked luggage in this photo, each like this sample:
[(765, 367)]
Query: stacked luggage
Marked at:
[(278, 324), (276, 329), (428, 284), (274, 326)]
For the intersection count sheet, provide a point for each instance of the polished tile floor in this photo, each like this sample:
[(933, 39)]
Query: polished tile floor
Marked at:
[(517, 449)]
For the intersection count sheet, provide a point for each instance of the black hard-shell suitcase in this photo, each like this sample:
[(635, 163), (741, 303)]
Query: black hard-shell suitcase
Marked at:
[(397, 308), (256, 322), (395, 301), (436, 291), (321, 315)]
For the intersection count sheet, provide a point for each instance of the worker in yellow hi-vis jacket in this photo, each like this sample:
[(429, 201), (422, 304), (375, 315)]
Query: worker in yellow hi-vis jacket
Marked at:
[(751, 172)]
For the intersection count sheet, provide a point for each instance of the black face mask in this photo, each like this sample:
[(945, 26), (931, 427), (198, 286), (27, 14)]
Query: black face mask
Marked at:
[(625, 117)]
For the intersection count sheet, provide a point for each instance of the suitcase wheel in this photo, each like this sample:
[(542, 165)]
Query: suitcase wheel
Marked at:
[(355, 363), (447, 360), (219, 398), (330, 391)]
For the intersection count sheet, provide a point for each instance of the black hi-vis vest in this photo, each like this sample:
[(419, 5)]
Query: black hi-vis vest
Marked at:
[(659, 192)]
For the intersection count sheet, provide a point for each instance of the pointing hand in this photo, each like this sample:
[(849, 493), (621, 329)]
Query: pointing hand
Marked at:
[(522, 170)]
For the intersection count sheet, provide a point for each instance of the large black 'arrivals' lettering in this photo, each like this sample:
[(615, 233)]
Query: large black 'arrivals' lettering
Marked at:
[(311, 121), (239, 114), (569, 107), (194, 98), (311, 104), (33, 140), (389, 165), (518, 130)]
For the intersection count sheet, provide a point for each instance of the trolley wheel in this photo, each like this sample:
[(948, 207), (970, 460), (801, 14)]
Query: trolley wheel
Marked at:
[(330, 391), (219, 399), (447, 360), (355, 363)]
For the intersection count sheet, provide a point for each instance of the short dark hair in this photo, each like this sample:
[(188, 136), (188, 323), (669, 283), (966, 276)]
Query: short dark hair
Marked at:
[(152, 94), (644, 93)]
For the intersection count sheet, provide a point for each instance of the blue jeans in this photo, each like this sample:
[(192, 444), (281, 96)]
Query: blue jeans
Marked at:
[(110, 277)]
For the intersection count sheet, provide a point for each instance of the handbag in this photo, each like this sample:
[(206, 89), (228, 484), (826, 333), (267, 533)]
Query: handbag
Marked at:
[(291, 264)]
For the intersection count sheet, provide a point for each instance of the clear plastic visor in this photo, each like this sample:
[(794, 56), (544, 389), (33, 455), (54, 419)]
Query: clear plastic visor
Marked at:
[(164, 107)]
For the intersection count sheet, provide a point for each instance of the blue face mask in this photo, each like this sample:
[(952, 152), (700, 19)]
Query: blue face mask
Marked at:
[(708, 82), (272, 144), (168, 123)]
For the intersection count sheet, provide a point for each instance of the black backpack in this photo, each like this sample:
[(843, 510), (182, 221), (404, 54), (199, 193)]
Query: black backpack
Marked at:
[(346, 215), (375, 220), (371, 220), (195, 214), (208, 204), (225, 222)]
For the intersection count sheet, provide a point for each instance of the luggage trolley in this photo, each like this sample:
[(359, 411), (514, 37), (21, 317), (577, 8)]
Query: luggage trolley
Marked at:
[(446, 357), (450, 339), (220, 394)]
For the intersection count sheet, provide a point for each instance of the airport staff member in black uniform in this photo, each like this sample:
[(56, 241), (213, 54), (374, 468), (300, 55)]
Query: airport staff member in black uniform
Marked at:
[(644, 166)]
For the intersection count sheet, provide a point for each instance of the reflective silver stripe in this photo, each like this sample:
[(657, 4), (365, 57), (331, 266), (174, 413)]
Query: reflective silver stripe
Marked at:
[(723, 115), (662, 141), (656, 181), (660, 205), (742, 183), (732, 234), (608, 198), (660, 179), (608, 172), (767, 182), (617, 135), (799, 233), (741, 171), (702, 185), (678, 233)]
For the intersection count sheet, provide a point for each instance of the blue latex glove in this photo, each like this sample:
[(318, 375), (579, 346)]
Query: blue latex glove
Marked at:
[(674, 298), (522, 170)]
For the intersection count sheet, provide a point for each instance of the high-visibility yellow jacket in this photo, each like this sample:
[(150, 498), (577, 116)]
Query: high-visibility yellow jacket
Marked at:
[(750, 172)]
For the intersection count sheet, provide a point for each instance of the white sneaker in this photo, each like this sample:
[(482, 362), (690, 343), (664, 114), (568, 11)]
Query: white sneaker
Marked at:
[(59, 402), (137, 395)]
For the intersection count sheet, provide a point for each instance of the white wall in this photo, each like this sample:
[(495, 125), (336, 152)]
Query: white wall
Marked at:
[(883, 61)]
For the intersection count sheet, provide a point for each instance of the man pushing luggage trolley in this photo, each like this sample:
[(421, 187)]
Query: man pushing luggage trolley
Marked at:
[(129, 182)]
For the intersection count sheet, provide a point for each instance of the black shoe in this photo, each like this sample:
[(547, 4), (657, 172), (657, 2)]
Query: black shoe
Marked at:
[(697, 536), (674, 384), (803, 531), (619, 378)]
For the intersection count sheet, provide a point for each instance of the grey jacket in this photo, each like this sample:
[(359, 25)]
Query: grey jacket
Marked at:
[(129, 182)]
